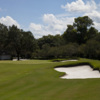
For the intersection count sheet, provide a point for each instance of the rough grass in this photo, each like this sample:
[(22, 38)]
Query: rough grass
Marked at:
[(37, 80)]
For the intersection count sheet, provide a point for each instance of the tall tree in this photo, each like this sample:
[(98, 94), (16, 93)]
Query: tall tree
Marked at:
[(3, 38), (92, 32), (82, 24), (80, 31), (28, 44), (14, 38), (51, 40), (21, 42), (70, 35)]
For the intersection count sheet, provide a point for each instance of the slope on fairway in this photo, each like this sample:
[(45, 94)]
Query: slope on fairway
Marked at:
[(37, 80)]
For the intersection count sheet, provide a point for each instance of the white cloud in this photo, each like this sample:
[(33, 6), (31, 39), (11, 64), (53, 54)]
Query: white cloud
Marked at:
[(57, 24), (53, 22), (0, 9), (39, 30), (49, 18), (52, 25), (35, 27), (95, 15), (97, 25), (80, 6), (8, 21)]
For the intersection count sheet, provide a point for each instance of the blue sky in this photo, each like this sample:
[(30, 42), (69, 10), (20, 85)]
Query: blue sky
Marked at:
[(26, 11), (44, 17)]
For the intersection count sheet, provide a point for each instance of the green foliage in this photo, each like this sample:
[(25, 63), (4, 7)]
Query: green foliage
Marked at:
[(91, 49), (70, 35), (80, 31), (92, 32), (15, 41), (83, 22), (51, 40), (79, 40), (67, 51), (3, 38)]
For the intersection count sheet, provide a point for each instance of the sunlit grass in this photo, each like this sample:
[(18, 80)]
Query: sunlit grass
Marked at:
[(25, 61), (37, 80)]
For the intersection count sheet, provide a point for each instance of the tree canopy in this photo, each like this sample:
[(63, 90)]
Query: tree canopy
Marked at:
[(81, 39), (15, 41), (80, 31)]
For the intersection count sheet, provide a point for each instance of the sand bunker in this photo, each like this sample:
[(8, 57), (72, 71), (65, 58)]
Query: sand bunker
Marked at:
[(78, 72), (69, 60)]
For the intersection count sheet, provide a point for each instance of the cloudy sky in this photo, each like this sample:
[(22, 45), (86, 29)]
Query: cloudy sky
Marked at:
[(43, 17)]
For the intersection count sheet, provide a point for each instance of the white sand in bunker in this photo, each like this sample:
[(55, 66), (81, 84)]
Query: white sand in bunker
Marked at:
[(79, 72), (69, 60)]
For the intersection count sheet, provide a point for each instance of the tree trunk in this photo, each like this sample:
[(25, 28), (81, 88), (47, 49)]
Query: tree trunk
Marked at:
[(18, 56)]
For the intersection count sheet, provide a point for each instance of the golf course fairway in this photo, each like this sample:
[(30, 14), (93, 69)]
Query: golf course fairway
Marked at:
[(37, 80)]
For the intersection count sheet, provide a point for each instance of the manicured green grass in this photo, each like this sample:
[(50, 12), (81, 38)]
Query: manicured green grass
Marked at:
[(37, 80)]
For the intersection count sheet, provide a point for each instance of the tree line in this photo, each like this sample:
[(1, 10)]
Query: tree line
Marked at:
[(16, 42), (80, 39)]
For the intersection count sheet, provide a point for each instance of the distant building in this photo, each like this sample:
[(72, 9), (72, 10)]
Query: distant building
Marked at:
[(5, 57)]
